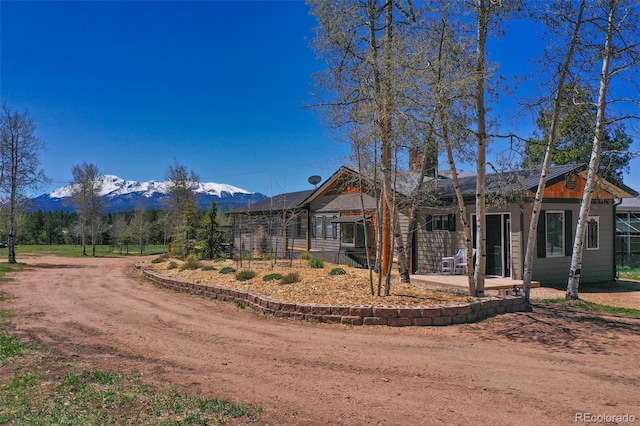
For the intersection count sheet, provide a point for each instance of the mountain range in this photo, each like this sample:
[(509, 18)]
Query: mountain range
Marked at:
[(124, 195)]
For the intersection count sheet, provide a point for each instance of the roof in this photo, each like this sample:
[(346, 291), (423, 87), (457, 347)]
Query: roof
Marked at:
[(629, 205), (349, 202), (512, 181), (286, 201), (350, 219), (406, 182)]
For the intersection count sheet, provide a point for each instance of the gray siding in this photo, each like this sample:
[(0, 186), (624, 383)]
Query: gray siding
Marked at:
[(434, 245), (517, 258), (597, 265)]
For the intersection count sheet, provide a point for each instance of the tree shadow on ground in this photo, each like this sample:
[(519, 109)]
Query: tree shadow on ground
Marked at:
[(558, 327)]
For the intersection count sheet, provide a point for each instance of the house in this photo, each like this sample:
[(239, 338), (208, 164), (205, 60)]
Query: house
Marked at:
[(273, 225), (509, 211), (343, 213), (337, 221)]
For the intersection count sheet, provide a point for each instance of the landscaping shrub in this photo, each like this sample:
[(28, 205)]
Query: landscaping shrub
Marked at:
[(245, 275), (209, 268), (227, 270), (271, 277), (191, 262), (337, 271), (316, 263), (305, 256), (290, 278), (172, 265)]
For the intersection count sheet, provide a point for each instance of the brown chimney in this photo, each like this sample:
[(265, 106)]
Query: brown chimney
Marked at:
[(417, 158)]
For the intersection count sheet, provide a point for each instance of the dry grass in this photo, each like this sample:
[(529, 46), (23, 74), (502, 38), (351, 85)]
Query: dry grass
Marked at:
[(315, 285)]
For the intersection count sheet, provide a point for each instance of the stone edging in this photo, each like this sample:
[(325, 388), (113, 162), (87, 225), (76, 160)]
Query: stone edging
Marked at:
[(394, 316)]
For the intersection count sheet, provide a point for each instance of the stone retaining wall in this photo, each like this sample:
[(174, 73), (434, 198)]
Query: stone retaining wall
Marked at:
[(394, 316)]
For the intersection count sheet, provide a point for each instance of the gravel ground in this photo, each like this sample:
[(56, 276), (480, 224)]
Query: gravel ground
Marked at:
[(542, 367)]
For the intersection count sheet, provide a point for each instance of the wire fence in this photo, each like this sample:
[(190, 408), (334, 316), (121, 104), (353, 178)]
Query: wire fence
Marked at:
[(628, 251), (340, 257)]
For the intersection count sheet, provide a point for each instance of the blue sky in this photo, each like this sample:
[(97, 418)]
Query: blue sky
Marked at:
[(219, 86)]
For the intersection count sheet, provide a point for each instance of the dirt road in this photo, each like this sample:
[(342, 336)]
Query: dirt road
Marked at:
[(528, 368)]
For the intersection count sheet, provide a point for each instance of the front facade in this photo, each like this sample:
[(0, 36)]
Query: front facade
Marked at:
[(507, 223), (343, 219), (337, 222)]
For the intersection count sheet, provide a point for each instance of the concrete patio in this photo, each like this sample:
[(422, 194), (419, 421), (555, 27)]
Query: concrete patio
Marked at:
[(460, 283)]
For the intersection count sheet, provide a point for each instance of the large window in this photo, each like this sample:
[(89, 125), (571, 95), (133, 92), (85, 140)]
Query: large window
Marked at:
[(555, 233), (323, 227), (346, 234), (593, 229), (352, 234)]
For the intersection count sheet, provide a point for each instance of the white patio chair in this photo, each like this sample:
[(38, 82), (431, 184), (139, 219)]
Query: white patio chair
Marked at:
[(449, 264), (460, 261)]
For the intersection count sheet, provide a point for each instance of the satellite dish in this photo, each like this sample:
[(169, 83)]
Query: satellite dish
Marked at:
[(314, 180)]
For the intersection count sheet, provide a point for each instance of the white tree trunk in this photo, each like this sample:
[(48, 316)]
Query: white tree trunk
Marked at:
[(592, 174), (553, 131)]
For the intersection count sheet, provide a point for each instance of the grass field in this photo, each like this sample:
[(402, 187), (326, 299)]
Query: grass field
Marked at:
[(76, 250), (583, 305), (627, 273)]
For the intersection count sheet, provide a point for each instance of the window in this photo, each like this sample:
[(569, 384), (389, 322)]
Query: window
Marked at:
[(360, 235), (347, 233), (331, 228), (301, 227), (320, 227), (441, 222), (555, 233), (353, 234), (324, 228), (593, 229)]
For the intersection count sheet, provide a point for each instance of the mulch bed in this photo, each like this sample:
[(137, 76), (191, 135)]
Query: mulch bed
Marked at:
[(316, 285)]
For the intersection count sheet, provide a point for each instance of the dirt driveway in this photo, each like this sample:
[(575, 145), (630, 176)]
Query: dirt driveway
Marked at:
[(528, 368)]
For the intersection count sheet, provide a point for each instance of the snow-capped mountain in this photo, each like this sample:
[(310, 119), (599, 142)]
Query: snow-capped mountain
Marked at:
[(124, 195)]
